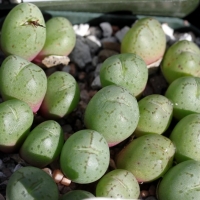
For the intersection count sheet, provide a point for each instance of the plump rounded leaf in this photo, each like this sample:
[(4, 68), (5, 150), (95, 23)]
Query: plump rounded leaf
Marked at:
[(127, 70), (16, 118), (185, 137), (184, 93), (156, 113), (19, 35), (43, 145), (22, 80), (31, 183), (60, 38), (118, 183), (85, 156), (181, 59), (62, 95), (147, 157), (146, 38), (181, 182), (113, 112), (77, 195)]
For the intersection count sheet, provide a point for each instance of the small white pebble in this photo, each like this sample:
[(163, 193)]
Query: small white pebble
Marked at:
[(107, 29), (121, 33)]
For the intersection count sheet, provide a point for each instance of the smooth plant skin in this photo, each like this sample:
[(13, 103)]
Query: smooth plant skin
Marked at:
[(185, 137), (181, 59), (31, 183), (85, 156), (43, 145), (156, 112), (118, 183), (184, 93), (19, 36), (77, 195), (22, 80), (16, 118), (181, 182), (113, 112), (147, 157), (147, 39), (60, 38), (127, 70), (62, 95)]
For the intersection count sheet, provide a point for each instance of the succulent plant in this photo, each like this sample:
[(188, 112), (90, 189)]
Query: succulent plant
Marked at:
[(16, 118), (185, 137), (185, 96), (156, 113), (31, 183), (22, 80), (181, 182), (60, 38), (113, 112), (127, 70), (147, 157), (118, 183), (23, 32), (181, 59), (85, 156), (77, 195), (43, 145), (146, 38), (62, 95)]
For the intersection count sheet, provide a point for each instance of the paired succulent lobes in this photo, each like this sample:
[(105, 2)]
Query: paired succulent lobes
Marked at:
[(147, 39), (16, 118), (31, 183), (19, 35), (22, 80), (181, 59), (60, 38), (127, 70), (116, 113)]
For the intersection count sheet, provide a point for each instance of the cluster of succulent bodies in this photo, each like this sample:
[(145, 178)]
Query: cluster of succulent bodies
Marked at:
[(114, 113)]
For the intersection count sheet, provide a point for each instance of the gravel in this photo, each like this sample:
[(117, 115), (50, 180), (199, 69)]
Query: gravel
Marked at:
[(94, 44)]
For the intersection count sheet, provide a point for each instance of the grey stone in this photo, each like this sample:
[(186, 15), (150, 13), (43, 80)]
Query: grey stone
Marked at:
[(95, 61), (97, 70), (96, 31), (96, 84), (81, 53), (93, 43), (121, 33), (107, 29)]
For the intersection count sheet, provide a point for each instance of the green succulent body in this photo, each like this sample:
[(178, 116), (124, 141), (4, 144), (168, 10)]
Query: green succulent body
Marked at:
[(127, 70), (147, 157), (113, 112), (156, 112), (146, 38), (185, 137), (43, 145), (181, 59), (19, 35), (22, 80), (85, 156), (62, 95), (118, 183), (184, 93), (77, 195), (16, 118), (181, 182), (60, 38), (31, 183)]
